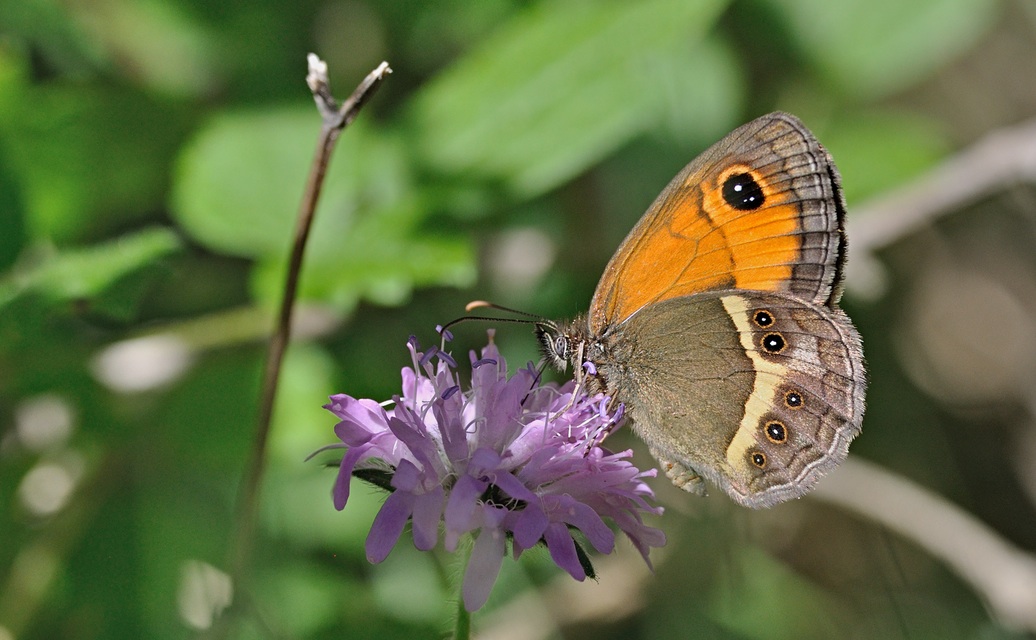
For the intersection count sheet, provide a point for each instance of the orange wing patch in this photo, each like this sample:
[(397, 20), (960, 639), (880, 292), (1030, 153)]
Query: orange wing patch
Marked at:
[(760, 210), (764, 243), (692, 240)]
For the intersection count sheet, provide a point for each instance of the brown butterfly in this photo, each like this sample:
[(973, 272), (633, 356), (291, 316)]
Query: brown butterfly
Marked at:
[(716, 322)]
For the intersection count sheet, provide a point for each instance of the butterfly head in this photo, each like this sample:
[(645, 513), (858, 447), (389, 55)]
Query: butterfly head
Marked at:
[(562, 343)]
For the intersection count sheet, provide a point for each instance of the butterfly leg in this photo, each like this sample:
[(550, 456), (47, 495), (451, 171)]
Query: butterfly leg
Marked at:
[(615, 409), (681, 476), (577, 376)]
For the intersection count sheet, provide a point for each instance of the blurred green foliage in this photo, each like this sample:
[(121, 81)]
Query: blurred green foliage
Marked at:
[(152, 156)]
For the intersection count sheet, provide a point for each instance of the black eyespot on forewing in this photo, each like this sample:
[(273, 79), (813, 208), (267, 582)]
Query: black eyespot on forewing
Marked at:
[(742, 192), (758, 458)]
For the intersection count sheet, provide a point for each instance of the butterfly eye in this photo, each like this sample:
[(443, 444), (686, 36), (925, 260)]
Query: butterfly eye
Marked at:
[(758, 459), (776, 432), (793, 399), (561, 347), (773, 342), (742, 192)]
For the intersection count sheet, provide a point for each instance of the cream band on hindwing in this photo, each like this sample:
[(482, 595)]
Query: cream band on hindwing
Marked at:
[(768, 376)]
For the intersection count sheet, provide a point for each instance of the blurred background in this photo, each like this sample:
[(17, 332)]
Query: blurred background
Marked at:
[(152, 155)]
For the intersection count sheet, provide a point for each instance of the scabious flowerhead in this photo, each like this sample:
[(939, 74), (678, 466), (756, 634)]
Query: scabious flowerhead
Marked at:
[(507, 458)]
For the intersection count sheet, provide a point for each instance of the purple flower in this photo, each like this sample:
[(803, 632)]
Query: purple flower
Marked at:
[(508, 458)]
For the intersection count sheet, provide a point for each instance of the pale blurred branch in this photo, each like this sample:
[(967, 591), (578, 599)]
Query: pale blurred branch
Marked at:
[(540, 614), (1003, 574), (1002, 158)]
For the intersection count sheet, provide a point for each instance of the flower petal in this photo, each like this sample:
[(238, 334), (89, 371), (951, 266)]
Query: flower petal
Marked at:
[(589, 522), (361, 419), (501, 415), (642, 536), (487, 554), (407, 477), (417, 389), (512, 486), (530, 525), (407, 426), (427, 514), (448, 415), (485, 459), (388, 525), (340, 493), (563, 550), (460, 509)]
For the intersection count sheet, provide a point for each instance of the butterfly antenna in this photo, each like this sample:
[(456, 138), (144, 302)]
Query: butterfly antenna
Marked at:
[(529, 318), (483, 304), (461, 319)]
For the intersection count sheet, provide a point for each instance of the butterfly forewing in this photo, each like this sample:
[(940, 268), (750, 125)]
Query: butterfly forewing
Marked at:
[(760, 210)]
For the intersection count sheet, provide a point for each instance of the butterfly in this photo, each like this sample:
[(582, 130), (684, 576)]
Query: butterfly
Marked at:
[(716, 323)]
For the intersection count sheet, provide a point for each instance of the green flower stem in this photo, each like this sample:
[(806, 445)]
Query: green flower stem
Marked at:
[(462, 625), (460, 559), (335, 119)]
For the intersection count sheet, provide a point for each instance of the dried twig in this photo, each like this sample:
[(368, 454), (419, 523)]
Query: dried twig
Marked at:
[(335, 119)]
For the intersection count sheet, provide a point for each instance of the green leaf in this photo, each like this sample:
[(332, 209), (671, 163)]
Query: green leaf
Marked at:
[(239, 185), (874, 47), (12, 217), (165, 43), (299, 419), (85, 274), (382, 257), (701, 90), (87, 159), (745, 606), (876, 151), (239, 181), (306, 596), (556, 89), (55, 34)]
